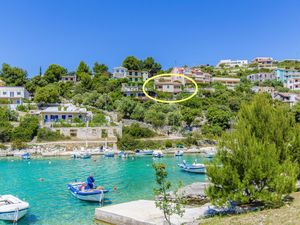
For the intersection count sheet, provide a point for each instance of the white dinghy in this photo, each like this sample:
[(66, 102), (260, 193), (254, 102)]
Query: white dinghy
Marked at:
[(12, 208)]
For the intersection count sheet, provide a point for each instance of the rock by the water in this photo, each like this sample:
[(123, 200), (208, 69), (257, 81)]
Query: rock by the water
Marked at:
[(193, 193)]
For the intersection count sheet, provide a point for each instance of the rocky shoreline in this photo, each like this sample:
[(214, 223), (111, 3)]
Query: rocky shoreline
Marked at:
[(52, 151)]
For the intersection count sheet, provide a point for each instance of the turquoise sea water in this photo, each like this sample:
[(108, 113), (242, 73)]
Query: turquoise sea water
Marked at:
[(52, 204)]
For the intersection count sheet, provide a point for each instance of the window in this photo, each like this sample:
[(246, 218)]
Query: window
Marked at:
[(18, 93), (4, 92)]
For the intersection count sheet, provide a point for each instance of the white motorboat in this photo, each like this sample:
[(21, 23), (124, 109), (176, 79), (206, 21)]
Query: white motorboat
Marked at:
[(158, 154), (12, 208), (178, 153), (94, 195)]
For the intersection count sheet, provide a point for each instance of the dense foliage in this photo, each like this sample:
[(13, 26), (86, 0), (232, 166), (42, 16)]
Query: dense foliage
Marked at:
[(257, 160), (45, 134)]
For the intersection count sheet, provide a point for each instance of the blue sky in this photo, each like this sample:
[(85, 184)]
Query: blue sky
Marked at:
[(37, 33)]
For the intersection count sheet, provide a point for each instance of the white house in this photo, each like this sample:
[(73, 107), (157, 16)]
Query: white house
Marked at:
[(232, 63), (263, 62), (14, 95), (132, 75)]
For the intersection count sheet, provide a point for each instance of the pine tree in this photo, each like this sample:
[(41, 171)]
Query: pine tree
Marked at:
[(254, 161)]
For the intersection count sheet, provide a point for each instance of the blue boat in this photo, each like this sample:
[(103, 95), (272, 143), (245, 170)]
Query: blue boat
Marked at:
[(109, 154), (93, 195), (193, 168), (25, 156)]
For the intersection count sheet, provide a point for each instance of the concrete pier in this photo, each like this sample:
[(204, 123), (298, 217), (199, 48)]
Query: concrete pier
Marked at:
[(144, 212)]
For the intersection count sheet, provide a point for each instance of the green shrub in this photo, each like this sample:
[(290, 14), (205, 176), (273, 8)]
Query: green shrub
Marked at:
[(22, 108), (45, 134), (4, 101), (135, 130), (98, 119), (18, 144), (2, 147), (168, 144)]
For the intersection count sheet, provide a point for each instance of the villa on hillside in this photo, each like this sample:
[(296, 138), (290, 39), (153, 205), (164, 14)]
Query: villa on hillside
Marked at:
[(67, 112), (195, 73), (258, 89), (289, 78), (227, 81), (132, 75), (15, 95), (228, 63), (70, 77), (171, 84), (261, 77), (263, 62), (135, 91), (290, 98)]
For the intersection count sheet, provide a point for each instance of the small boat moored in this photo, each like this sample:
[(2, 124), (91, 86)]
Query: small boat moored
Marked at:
[(193, 168), (109, 154), (158, 154), (143, 152), (178, 153), (12, 208), (81, 155), (25, 156), (94, 195)]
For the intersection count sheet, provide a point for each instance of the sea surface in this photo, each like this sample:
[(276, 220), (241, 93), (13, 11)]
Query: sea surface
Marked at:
[(52, 204)]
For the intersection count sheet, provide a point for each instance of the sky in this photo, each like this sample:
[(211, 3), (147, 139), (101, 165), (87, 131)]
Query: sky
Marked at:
[(36, 33)]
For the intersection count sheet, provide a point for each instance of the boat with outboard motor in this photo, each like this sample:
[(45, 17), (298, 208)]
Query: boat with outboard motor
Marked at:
[(109, 154), (158, 154), (25, 156), (139, 152), (178, 153), (193, 168), (81, 155), (93, 195), (12, 208)]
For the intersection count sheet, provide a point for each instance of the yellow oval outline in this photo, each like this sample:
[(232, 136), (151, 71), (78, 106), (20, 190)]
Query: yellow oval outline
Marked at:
[(170, 101)]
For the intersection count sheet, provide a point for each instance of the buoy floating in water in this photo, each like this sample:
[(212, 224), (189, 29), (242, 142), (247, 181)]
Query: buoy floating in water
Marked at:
[(115, 188)]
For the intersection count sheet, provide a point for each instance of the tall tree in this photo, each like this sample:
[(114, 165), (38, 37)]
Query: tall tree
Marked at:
[(82, 68), (35, 82), (132, 63), (47, 94), (54, 73), (151, 66), (253, 162), (13, 76), (100, 68)]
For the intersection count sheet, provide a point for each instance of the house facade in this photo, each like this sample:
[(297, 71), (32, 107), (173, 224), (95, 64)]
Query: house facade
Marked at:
[(269, 90), (195, 73), (289, 78), (227, 81), (289, 98), (261, 77), (67, 112), (70, 77), (228, 63), (15, 95), (132, 75), (170, 84), (263, 62)]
